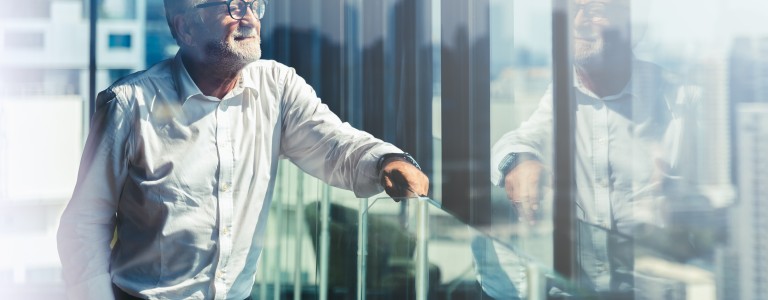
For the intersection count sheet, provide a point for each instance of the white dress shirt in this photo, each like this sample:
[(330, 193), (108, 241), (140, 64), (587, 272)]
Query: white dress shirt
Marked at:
[(187, 179)]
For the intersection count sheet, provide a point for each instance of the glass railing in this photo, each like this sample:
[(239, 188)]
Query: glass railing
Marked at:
[(434, 255), (324, 243), (444, 258)]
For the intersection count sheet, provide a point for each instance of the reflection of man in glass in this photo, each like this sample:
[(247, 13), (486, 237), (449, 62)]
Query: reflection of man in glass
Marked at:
[(629, 125), (181, 161)]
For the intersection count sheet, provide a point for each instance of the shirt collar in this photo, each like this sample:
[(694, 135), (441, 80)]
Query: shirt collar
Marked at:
[(247, 78), (186, 87)]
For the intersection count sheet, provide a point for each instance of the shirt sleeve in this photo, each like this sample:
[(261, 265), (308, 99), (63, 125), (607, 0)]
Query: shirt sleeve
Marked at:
[(88, 222), (533, 136), (316, 140)]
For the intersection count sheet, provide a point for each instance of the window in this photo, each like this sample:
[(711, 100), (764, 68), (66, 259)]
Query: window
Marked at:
[(36, 9), (118, 9), (24, 40), (119, 41)]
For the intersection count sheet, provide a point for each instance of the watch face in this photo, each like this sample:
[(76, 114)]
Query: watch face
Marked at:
[(508, 162)]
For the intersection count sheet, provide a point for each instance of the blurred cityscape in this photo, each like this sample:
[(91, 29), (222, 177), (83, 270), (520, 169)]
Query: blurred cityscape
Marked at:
[(44, 85)]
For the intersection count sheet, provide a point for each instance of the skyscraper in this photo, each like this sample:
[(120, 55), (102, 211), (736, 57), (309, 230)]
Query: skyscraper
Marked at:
[(714, 145), (749, 231)]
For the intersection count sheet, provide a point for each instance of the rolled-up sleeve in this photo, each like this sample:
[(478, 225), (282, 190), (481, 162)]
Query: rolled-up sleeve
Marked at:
[(88, 222), (533, 136), (316, 140)]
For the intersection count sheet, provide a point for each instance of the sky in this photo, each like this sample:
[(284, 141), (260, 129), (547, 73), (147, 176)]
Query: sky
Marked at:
[(683, 27)]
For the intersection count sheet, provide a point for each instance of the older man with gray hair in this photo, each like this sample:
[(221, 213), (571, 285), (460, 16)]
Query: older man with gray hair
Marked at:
[(181, 161)]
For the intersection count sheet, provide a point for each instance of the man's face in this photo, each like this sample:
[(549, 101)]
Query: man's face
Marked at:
[(222, 39), (599, 27)]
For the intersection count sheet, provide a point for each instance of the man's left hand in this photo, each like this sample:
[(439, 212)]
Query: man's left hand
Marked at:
[(402, 179)]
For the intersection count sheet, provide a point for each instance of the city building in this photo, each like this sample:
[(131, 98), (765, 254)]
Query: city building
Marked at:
[(748, 230)]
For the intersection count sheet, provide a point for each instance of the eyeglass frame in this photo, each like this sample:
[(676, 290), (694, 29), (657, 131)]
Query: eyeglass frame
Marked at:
[(605, 10), (247, 6)]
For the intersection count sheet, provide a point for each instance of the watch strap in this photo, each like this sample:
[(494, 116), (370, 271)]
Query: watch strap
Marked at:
[(405, 156)]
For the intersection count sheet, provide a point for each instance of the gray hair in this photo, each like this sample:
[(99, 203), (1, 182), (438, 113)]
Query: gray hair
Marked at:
[(178, 7)]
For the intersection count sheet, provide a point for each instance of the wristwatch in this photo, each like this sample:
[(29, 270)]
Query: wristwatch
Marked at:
[(405, 156), (508, 163)]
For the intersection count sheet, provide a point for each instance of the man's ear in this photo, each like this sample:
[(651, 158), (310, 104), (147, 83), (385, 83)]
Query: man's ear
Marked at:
[(183, 29)]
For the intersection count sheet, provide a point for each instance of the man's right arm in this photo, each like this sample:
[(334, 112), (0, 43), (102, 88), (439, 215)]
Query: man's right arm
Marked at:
[(88, 222), (517, 157)]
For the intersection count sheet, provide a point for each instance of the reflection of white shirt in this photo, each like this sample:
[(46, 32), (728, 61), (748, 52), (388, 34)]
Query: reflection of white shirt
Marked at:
[(187, 180), (625, 145)]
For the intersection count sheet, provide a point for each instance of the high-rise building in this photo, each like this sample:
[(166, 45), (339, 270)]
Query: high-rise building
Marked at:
[(744, 274), (714, 145), (748, 78), (749, 70), (749, 226)]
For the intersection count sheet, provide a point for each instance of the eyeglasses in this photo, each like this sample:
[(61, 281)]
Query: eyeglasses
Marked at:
[(591, 10), (600, 11), (239, 8)]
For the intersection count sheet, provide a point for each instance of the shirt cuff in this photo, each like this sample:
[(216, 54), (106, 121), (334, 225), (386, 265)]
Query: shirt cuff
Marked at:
[(367, 180), (496, 159)]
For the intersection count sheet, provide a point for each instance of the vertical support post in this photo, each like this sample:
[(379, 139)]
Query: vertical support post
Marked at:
[(279, 215), (352, 65), (264, 274), (564, 111), (466, 102), (536, 282), (297, 284), (362, 247), (93, 14), (325, 239), (422, 239)]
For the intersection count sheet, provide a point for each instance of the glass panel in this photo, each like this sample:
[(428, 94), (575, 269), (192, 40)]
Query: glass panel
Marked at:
[(521, 123), (666, 136), (462, 261), (43, 122), (43, 116), (290, 259), (390, 269), (715, 82), (366, 61)]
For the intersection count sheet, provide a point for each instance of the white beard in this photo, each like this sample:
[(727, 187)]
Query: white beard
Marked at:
[(587, 53), (235, 51)]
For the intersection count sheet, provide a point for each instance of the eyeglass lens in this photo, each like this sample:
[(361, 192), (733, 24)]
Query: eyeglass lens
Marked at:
[(239, 8)]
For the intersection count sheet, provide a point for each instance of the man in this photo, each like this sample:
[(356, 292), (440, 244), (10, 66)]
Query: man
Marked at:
[(181, 160), (630, 123)]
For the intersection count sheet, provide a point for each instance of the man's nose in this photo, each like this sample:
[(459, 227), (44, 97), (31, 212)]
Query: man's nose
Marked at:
[(583, 23), (250, 14), (579, 17)]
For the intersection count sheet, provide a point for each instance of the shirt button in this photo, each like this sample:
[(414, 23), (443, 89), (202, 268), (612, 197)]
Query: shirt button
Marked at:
[(602, 182), (600, 267), (225, 231), (225, 187)]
